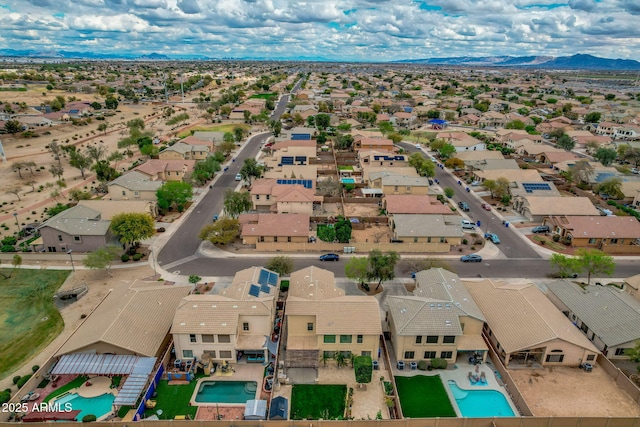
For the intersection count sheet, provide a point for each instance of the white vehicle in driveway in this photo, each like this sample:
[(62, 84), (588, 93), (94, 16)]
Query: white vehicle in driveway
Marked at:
[(238, 177)]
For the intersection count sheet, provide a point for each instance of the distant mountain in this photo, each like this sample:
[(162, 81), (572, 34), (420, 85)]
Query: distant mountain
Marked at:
[(154, 57), (579, 61)]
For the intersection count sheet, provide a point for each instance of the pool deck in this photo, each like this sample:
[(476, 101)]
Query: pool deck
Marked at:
[(240, 372), (96, 386)]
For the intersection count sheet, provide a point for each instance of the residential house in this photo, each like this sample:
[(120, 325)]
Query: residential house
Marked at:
[(133, 185), (77, 229), (550, 126), (234, 326), (492, 119), (391, 183), (512, 175), (470, 156), (167, 170), (609, 317), (379, 144), (149, 306), (381, 159), (610, 234), (403, 120), (631, 285), (301, 133), (182, 151), (321, 321), (520, 190), (109, 208), (442, 231), (535, 208), (492, 164), (395, 204), (276, 228), (553, 157), (525, 328), (462, 141), (440, 320), (284, 196)]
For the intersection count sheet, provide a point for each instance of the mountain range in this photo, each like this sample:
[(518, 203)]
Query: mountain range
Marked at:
[(574, 62)]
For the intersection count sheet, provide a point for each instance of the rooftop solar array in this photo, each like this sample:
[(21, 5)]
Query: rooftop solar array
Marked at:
[(286, 160), (306, 183), (388, 158), (530, 187), (254, 290), (300, 136), (267, 277), (95, 364), (265, 288)]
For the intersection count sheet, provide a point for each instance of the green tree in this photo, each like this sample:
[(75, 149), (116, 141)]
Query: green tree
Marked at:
[(111, 103), (136, 123), (606, 156), (385, 127), (236, 203), (17, 167), (104, 171), (194, 278), (102, 127), (633, 353), (174, 194), (344, 142), (132, 227), (502, 187), (449, 192), (79, 161), (102, 258), (343, 229), (490, 185), (593, 117), (238, 133), (447, 150), (593, 261), (357, 268), (323, 121), (565, 142), (250, 169), (515, 124), (222, 232), (454, 163), (12, 126), (382, 266), (581, 171), (56, 170), (424, 166), (56, 151), (632, 155), (611, 186), (282, 264), (565, 265)]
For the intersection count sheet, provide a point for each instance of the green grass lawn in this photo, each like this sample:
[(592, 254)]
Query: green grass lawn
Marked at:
[(215, 128), (29, 320), (313, 401), (424, 397), (173, 400), (69, 386)]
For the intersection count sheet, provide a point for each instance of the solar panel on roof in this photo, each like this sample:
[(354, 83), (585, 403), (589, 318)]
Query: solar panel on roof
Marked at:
[(254, 290), (265, 288), (273, 279), (263, 277)]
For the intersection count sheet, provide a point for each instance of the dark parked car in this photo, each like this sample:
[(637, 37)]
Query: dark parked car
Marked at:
[(464, 206), (541, 229), (471, 258), (330, 257)]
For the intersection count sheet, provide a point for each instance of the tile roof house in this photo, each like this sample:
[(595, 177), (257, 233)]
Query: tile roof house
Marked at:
[(232, 326), (77, 229), (413, 204), (167, 170), (268, 195), (390, 182), (149, 306), (526, 329), (321, 321), (182, 151), (437, 230), (535, 208), (380, 144), (440, 320), (462, 141), (133, 185), (109, 208), (274, 228), (607, 316), (610, 234)]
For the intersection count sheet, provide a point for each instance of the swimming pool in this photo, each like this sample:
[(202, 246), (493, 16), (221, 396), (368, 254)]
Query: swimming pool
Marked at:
[(348, 180), (480, 403), (98, 406), (226, 391)]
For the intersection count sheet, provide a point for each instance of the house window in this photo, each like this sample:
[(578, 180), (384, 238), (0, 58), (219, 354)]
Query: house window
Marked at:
[(345, 339), (187, 354), (613, 241), (268, 196), (245, 326), (329, 354), (262, 238), (409, 354), (289, 239), (329, 339), (310, 326), (225, 354), (192, 338), (224, 339), (275, 239), (620, 351), (77, 239), (555, 358), (257, 197), (429, 239), (59, 237), (365, 353), (448, 339), (442, 240), (415, 240), (446, 354), (432, 339), (359, 339), (429, 354), (591, 357), (124, 193), (207, 338), (419, 339), (395, 188), (136, 194), (408, 189)]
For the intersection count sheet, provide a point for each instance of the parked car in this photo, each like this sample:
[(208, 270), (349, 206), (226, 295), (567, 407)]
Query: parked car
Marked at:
[(468, 225), (330, 257), (471, 258), (564, 275), (486, 206), (635, 171), (464, 206), (238, 177), (493, 237), (540, 229)]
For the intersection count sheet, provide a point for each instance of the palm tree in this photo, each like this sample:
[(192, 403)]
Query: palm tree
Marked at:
[(324, 357)]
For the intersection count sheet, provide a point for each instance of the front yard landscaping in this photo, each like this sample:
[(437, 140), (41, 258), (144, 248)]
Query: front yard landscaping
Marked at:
[(313, 402), (423, 397), (28, 317)]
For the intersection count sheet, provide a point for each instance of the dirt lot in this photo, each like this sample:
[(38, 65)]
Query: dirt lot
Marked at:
[(572, 392), (99, 285)]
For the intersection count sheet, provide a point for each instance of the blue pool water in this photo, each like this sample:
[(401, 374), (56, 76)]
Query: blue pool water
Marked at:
[(98, 406), (348, 180), (226, 391), (480, 403)]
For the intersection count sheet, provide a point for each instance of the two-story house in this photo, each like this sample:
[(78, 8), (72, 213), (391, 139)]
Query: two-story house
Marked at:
[(133, 186), (182, 151), (167, 170)]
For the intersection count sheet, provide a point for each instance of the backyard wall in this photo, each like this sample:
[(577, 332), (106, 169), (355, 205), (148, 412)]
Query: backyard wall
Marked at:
[(361, 247), (620, 378)]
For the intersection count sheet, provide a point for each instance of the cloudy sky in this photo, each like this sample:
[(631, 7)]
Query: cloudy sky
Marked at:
[(347, 30)]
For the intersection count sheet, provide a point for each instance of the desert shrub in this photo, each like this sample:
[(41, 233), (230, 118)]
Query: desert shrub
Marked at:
[(556, 237), (137, 257), (4, 396), (88, 418), (465, 241), (7, 248), (9, 240), (363, 368), (23, 380), (16, 379), (422, 365), (439, 363), (35, 368), (125, 258)]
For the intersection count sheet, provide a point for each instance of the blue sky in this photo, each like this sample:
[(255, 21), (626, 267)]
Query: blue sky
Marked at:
[(343, 30)]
